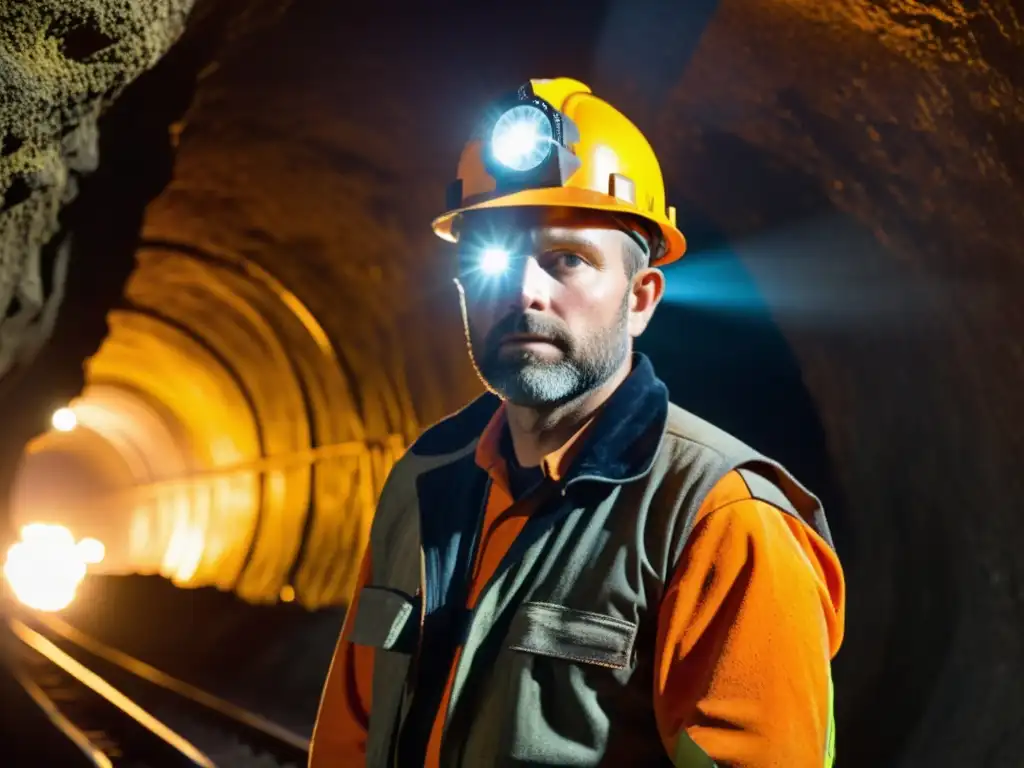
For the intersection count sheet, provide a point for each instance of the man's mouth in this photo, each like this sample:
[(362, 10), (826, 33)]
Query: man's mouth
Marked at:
[(526, 339)]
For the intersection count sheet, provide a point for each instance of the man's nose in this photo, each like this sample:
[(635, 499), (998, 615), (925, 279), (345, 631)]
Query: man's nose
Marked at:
[(533, 285)]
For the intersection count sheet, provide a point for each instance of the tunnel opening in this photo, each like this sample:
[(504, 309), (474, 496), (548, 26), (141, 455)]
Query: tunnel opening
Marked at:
[(217, 420), (224, 442)]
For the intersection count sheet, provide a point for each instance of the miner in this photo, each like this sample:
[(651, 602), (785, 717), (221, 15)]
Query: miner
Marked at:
[(572, 570)]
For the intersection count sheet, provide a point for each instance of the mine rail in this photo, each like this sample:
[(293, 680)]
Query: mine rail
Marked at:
[(120, 711)]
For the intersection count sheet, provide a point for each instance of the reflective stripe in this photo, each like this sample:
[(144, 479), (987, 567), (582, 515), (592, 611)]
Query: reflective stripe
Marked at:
[(830, 734), (689, 755)]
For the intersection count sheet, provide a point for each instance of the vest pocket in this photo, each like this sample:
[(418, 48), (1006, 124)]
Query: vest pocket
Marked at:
[(383, 620), (559, 632)]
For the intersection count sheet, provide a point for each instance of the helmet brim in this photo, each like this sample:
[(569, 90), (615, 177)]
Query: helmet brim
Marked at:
[(568, 197)]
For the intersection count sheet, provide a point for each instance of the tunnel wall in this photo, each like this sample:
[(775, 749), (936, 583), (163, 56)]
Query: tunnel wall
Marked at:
[(244, 462), (61, 67), (280, 442), (289, 465)]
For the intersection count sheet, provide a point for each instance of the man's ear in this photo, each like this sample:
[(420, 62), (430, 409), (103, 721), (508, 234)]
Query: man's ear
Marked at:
[(646, 290)]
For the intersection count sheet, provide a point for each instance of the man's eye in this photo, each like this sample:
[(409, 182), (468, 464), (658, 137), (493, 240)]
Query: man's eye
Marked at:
[(568, 260)]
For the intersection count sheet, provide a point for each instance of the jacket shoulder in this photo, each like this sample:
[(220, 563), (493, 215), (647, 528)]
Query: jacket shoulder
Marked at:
[(698, 436), (698, 447)]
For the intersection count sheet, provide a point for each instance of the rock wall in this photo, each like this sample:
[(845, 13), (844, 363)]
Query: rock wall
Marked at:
[(61, 66)]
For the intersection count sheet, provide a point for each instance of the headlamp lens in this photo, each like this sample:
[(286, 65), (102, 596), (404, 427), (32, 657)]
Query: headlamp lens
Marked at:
[(494, 261), (522, 138)]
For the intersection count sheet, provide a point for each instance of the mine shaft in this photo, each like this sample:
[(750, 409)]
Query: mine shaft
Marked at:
[(226, 320)]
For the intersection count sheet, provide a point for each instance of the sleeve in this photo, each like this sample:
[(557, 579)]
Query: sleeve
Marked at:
[(746, 633), (342, 724)]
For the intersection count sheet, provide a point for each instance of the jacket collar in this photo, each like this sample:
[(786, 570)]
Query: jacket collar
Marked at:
[(623, 440), (620, 445)]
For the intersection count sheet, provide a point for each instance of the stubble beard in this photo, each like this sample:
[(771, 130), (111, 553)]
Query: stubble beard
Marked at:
[(531, 380)]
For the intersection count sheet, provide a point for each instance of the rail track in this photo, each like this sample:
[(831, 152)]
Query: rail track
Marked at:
[(120, 712)]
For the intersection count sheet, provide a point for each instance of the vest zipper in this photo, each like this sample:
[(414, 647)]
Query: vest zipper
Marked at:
[(430, 578), (467, 612), (423, 610), (478, 540)]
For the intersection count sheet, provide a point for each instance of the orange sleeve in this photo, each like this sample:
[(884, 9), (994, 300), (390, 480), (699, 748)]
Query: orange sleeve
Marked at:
[(339, 737), (747, 630)]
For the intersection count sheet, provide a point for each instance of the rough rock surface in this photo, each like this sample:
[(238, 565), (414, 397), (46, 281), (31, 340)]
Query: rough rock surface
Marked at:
[(61, 65), (851, 175)]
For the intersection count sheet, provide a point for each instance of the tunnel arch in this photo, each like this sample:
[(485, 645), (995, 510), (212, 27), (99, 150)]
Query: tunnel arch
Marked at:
[(225, 432)]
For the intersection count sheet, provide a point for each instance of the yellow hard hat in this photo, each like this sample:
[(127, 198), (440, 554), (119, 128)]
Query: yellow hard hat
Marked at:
[(554, 144)]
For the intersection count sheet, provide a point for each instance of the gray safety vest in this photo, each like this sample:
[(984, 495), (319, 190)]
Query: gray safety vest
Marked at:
[(556, 663)]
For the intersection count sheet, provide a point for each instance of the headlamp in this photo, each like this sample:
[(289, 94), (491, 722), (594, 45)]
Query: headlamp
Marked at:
[(522, 138), (493, 261), (527, 143), (487, 257)]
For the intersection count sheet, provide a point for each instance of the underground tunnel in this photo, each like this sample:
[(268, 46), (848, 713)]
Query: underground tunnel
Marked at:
[(216, 253)]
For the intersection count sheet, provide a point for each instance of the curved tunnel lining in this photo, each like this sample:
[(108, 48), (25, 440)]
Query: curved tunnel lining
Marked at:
[(367, 461)]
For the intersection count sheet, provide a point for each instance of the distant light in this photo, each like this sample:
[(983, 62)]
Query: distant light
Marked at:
[(287, 593), (47, 534), (494, 261), (64, 420), (45, 568), (522, 138), (91, 551)]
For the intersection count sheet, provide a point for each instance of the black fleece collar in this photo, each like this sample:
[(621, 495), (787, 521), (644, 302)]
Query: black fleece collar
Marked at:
[(620, 445), (624, 438)]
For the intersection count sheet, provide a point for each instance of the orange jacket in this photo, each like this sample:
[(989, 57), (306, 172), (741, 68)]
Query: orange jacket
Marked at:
[(746, 631)]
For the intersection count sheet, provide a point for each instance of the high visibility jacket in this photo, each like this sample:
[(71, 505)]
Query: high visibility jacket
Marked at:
[(668, 596)]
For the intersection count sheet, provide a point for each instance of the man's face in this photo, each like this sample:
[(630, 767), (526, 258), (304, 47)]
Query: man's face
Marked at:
[(556, 323)]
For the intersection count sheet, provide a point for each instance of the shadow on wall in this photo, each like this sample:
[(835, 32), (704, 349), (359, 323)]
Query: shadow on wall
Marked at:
[(730, 364), (734, 368), (716, 345)]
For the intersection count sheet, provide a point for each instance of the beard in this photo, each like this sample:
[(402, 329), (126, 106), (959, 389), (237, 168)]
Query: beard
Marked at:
[(529, 379)]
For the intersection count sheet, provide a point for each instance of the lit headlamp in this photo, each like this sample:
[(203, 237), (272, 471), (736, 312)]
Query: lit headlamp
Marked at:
[(494, 261), (525, 146), (521, 139), (486, 261)]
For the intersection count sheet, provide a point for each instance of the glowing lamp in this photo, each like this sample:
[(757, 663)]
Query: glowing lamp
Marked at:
[(494, 261), (64, 420), (522, 138), (91, 551)]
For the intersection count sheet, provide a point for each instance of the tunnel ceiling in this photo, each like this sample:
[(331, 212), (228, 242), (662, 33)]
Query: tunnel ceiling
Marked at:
[(288, 293)]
